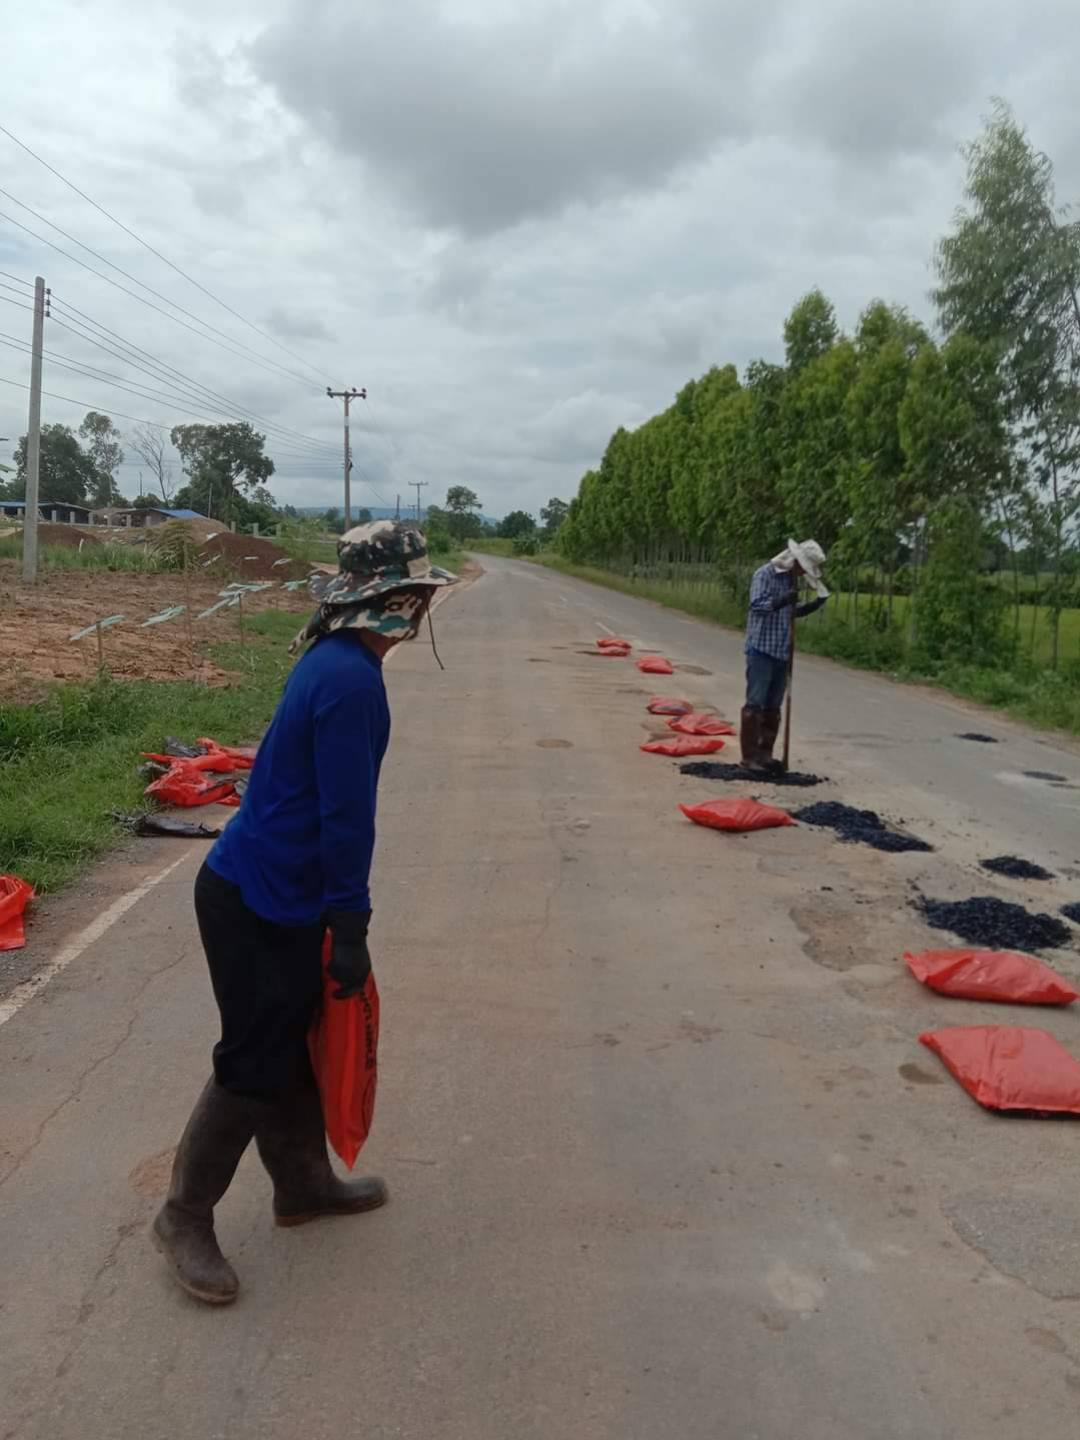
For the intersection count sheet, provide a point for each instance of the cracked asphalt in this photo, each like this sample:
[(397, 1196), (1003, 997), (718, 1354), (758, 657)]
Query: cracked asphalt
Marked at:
[(666, 1157)]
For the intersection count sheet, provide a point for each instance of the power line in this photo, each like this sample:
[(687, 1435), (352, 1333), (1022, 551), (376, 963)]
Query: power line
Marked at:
[(16, 304), (160, 370), (144, 392), (271, 366), (163, 258), (136, 419)]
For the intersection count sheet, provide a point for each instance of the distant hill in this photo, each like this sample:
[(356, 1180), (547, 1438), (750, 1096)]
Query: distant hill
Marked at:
[(377, 512)]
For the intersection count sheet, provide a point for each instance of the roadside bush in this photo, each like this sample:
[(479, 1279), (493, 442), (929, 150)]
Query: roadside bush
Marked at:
[(526, 545)]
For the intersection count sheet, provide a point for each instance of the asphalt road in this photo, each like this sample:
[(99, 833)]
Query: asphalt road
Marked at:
[(667, 1159)]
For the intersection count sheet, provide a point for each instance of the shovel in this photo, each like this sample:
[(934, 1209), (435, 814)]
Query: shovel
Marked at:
[(787, 702)]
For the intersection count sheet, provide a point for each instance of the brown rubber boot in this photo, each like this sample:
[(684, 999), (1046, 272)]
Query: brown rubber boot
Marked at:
[(750, 746), (292, 1146), (218, 1133)]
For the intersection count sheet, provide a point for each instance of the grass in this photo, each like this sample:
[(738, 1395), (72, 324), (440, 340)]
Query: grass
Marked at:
[(92, 556), (492, 546), (66, 763), (1026, 688)]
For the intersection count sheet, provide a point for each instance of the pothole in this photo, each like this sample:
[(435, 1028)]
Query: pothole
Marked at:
[(555, 744)]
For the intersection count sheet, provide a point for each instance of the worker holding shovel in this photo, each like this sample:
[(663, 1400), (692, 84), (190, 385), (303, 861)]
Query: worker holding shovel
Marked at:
[(770, 636), (294, 862)]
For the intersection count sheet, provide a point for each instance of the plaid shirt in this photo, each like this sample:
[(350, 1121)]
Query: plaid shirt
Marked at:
[(768, 630)]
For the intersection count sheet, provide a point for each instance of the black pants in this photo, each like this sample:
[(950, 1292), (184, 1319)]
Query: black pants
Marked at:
[(267, 982)]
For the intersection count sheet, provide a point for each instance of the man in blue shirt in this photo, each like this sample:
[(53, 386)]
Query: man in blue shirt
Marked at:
[(773, 595), (294, 861)]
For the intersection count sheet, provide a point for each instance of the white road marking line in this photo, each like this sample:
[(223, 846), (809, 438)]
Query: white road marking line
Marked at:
[(601, 626), (85, 938)]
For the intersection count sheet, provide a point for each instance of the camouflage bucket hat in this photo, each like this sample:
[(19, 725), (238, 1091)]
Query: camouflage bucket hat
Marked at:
[(384, 583), (377, 558)]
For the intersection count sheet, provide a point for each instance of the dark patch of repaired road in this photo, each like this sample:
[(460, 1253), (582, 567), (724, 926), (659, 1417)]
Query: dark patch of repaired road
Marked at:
[(863, 826), (999, 924), (719, 770), (1016, 868)]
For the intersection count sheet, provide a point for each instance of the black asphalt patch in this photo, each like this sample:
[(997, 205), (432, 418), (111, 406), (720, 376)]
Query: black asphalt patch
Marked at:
[(1045, 775), (1072, 911), (1016, 868), (864, 826), (999, 924), (974, 735), (718, 770)]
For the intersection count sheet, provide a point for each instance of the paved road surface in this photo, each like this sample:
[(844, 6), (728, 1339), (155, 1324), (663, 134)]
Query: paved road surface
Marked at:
[(667, 1159)]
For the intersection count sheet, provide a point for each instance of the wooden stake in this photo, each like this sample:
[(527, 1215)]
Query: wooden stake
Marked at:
[(790, 684)]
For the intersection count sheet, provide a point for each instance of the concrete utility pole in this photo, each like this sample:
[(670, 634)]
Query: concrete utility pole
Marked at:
[(33, 437), (347, 396), (418, 485), (397, 509)]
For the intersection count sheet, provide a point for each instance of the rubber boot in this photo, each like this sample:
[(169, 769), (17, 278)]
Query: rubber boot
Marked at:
[(768, 731), (292, 1145), (750, 736), (217, 1134)]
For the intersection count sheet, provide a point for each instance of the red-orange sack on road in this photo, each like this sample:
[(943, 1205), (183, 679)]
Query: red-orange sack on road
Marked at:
[(616, 652), (15, 895), (736, 815), (698, 724), (666, 705), (1008, 1067), (685, 745), (344, 1048), (186, 783), (991, 975), (655, 665), (612, 642)]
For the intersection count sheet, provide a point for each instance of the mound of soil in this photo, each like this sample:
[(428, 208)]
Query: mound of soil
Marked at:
[(720, 770), (1016, 868), (864, 826), (71, 535), (252, 558), (997, 924)]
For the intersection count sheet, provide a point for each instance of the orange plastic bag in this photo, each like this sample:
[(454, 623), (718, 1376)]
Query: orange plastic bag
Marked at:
[(615, 652), (655, 665), (243, 755), (699, 724), (186, 783), (344, 1047), (15, 895), (1004, 975), (1008, 1067), (685, 745), (742, 814), (665, 705), (612, 642)]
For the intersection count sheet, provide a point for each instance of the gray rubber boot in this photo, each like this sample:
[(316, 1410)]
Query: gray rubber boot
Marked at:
[(292, 1145), (217, 1134)]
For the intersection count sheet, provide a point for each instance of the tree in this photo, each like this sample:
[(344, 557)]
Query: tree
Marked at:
[(224, 463), (810, 331), (552, 516), (103, 443), (147, 502), (461, 507), (518, 522), (1009, 274), (67, 474), (150, 445)]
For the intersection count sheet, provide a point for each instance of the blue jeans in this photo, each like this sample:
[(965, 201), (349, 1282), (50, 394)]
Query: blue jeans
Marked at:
[(766, 679)]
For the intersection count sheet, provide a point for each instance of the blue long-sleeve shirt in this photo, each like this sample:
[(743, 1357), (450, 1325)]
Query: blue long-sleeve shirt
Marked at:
[(302, 841), (768, 622)]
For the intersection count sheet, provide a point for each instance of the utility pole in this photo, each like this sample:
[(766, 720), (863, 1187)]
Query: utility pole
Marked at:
[(33, 437), (397, 509), (418, 485), (347, 396)]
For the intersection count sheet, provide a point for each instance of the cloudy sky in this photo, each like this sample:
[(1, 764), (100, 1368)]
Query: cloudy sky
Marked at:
[(518, 224)]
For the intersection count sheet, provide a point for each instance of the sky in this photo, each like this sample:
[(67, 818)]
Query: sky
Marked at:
[(518, 226)]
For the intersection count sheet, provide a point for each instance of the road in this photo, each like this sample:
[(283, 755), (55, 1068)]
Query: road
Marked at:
[(667, 1159)]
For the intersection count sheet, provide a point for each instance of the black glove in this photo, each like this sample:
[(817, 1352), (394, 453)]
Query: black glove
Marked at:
[(811, 606), (350, 963), (783, 601)]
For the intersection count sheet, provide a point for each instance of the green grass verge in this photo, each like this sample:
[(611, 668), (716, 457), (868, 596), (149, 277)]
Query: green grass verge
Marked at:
[(69, 761), (92, 556), (1026, 689)]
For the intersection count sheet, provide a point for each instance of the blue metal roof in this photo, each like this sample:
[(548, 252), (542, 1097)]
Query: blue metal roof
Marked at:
[(180, 514)]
